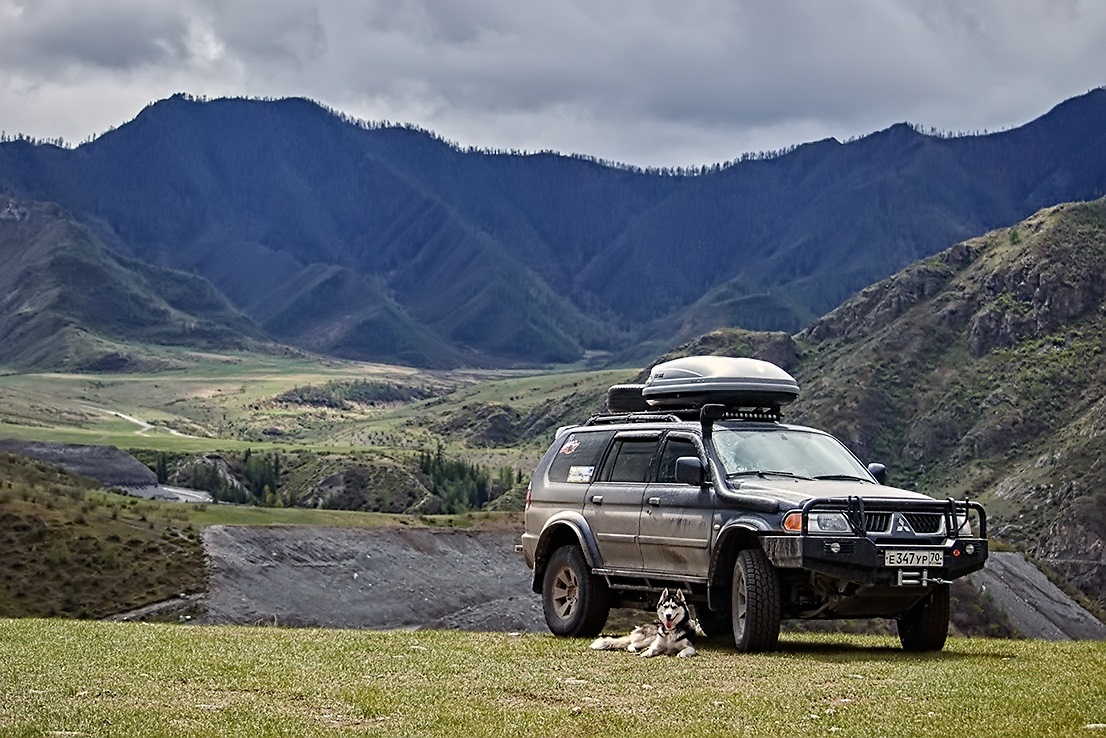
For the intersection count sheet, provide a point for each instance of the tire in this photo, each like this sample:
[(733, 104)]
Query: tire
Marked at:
[(575, 601), (756, 602), (626, 398), (925, 626)]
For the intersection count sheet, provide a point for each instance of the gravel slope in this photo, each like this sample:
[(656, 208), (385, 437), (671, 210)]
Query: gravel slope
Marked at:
[(385, 578), (1033, 604), (380, 578)]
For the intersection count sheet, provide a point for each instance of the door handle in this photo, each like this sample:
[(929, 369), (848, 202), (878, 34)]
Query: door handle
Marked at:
[(597, 499), (654, 500)]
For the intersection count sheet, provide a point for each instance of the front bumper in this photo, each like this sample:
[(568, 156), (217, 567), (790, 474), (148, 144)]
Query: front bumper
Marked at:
[(861, 560), (861, 555)]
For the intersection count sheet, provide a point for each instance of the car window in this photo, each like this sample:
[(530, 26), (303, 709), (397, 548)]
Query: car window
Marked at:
[(629, 460), (793, 451), (674, 448), (578, 457)]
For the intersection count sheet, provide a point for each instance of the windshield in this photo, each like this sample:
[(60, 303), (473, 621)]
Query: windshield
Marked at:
[(785, 451)]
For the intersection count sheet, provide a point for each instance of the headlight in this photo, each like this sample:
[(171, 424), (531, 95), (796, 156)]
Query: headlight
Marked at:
[(964, 526), (819, 522)]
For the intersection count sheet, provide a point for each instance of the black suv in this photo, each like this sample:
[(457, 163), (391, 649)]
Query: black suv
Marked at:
[(692, 482)]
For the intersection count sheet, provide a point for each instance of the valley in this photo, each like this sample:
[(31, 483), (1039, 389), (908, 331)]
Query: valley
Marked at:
[(415, 358), (317, 415), (229, 406)]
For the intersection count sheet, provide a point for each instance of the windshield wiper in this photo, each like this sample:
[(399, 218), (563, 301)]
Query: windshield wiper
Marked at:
[(765, 473), (843, 478)]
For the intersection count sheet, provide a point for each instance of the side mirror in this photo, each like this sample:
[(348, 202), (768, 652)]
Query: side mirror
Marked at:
[(689, 470), (879, 471)]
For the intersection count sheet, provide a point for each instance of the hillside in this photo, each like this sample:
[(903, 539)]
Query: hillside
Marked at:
[(71, 550), (68, 302), (977, 371), (386, 243)]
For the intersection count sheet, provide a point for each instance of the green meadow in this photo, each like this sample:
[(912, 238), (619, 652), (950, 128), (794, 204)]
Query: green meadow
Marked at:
[(230, 402), (66, 678)]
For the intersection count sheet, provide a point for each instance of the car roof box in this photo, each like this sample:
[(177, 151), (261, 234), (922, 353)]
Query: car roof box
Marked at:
[(694, 381)]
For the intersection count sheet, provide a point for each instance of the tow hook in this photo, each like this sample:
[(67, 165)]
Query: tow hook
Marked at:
[(909, 578)]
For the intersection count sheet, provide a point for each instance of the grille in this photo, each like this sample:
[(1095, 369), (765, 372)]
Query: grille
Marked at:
[(924, 523), (877, 522)]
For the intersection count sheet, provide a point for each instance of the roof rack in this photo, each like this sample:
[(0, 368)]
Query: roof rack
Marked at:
[(764, 414), (632, 418), (678, 415)]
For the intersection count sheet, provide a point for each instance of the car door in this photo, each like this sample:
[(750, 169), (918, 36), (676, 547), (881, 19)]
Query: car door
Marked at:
[(612, 506), (676, 518)]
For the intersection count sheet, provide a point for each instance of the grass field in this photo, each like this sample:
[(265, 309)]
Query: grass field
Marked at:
[(134, 679), (204, 515)]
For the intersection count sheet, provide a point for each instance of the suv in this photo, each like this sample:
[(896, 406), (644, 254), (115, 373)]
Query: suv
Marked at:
[(691, 481)]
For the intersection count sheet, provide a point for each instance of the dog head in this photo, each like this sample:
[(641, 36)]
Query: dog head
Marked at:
[(672, 609)]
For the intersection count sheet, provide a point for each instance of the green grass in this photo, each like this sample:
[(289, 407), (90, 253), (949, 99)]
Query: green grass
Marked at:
[(73, 551), (205, 515), (135, 679), (226, 402)]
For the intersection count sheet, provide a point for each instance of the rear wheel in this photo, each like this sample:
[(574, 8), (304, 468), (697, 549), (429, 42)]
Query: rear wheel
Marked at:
[(756, 602), (575, 601), (925, 626)]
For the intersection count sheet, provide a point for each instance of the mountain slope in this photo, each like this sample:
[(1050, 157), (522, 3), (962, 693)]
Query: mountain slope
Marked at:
[(327, 232), (979, 371), (69, 303)]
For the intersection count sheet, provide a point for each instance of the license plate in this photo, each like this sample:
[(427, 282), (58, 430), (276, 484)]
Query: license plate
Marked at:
[(906, 557)]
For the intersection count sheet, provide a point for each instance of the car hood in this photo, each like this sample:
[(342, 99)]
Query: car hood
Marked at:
[(797, 491)]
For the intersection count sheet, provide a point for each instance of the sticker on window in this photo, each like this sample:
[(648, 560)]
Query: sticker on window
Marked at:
[(570, 445), (580, 473)]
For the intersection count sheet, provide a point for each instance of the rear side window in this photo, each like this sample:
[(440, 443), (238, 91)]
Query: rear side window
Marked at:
[(630, 460), (578, 456)]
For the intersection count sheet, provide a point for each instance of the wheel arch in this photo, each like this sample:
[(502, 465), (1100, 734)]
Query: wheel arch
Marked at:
[(564, 529), (735, 536)]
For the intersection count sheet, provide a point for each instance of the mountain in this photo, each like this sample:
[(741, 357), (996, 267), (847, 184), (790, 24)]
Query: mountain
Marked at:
[(387, 243), (68, 302), (978, 371)]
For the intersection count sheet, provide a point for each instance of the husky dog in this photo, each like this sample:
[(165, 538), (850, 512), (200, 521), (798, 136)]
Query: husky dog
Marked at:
[(672, 635)]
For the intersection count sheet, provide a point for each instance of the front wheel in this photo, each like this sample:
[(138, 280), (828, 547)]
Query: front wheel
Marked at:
[(756, 602), (575, 601), (925, 626)]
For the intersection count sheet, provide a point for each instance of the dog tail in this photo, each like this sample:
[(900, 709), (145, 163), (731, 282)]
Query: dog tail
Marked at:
[(606, 643)]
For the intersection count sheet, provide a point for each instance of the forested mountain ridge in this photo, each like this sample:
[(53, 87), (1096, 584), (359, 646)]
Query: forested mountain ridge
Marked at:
[(68, 302), (387, 243)]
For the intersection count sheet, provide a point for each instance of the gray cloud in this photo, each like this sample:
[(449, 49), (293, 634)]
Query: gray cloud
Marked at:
[(642, 81)]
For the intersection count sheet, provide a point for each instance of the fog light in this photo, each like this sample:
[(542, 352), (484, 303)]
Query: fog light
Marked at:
[(834, 547), (969, 549)]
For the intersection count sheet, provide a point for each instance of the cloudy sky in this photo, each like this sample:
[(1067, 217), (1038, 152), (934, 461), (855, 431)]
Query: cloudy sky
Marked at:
[(646, 82)]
